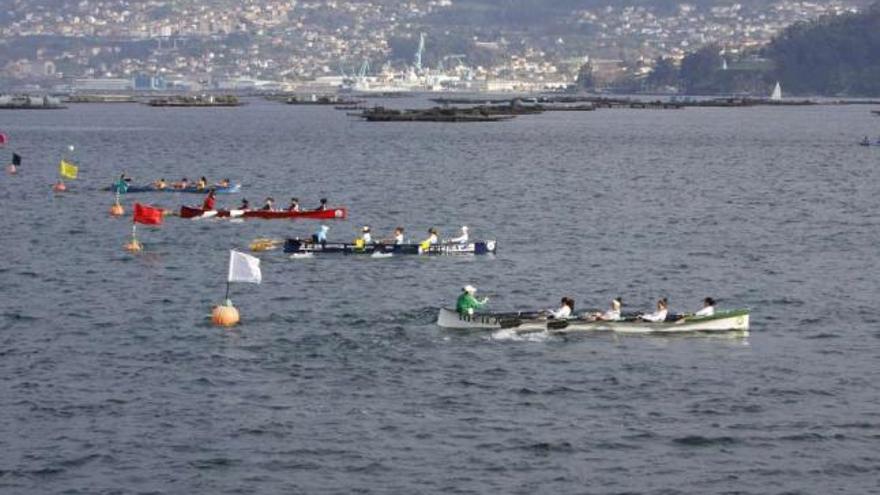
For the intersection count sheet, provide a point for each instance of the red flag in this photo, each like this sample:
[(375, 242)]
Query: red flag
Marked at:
[(147, 215)]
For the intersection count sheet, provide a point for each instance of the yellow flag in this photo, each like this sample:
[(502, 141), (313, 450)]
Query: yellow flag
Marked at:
[(68, 169)]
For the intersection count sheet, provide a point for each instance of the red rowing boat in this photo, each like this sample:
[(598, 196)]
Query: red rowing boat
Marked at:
[(328, 214)]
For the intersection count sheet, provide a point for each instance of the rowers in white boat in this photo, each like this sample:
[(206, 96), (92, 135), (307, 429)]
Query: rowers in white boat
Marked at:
[(707, 319), (708, 309), (612, 314), (565, 310), (659, 315)]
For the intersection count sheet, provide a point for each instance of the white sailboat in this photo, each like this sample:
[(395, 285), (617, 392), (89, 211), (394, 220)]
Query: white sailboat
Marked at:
[(777, 92)]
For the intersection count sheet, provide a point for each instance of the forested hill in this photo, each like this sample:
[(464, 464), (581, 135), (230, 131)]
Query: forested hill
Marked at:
[(837, 55)]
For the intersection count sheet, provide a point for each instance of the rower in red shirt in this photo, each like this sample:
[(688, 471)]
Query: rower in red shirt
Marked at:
[(208, 205)]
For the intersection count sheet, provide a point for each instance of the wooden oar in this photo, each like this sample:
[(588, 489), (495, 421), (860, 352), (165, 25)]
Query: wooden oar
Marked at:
[(513, 320)]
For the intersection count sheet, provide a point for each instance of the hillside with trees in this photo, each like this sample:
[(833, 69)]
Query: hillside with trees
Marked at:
[(831, 56)]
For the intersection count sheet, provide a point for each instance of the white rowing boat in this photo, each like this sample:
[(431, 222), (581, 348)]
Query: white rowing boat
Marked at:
[(721, 321)]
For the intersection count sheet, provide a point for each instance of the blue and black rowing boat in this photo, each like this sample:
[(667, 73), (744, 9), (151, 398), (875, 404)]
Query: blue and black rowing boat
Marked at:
[(308, 247)]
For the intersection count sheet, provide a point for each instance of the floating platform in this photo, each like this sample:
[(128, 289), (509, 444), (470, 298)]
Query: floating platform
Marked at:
[(196, 101), (436, 114), (25, 102)]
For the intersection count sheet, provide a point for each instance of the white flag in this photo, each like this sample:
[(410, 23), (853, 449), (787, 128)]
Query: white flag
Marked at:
[(244, 268)]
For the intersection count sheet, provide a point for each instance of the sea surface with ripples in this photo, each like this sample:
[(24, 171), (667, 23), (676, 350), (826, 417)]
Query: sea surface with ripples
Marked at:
[(337, 380)]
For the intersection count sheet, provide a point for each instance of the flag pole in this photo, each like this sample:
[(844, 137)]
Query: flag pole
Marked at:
[(226, 300)]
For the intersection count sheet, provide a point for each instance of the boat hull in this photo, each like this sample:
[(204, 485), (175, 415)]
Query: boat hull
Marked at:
[(329, 214), (193, 190), (449, 318), (298, 246), (728, 321)]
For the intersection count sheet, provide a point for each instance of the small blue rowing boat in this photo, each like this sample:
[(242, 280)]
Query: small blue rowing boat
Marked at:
[(234, 188)]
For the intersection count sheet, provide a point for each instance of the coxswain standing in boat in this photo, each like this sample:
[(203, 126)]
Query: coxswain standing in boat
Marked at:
[(208, 205), (613, 313), (269, 205), (659, 315), (462, 238), (320, 237), (566, 309), (467, 303), (294, 205)]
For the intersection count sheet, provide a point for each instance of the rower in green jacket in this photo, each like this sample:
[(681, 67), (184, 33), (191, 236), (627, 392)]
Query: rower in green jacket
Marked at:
[(467, 303)]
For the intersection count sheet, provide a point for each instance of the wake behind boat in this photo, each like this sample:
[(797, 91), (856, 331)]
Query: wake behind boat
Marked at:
[(328, 214), (722, 321), (300, 246)]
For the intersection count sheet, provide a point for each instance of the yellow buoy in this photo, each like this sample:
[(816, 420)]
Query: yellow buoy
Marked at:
[(117, 210), (59, 187), (224, 315), (134, 246)]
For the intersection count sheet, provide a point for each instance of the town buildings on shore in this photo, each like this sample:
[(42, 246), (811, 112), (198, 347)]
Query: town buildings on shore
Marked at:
[(322, 45)]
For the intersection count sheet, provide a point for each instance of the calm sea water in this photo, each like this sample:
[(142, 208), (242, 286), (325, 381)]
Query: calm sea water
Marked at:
[(338, 381)]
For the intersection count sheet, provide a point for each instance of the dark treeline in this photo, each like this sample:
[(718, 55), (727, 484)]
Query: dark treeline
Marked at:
[(833, 56)]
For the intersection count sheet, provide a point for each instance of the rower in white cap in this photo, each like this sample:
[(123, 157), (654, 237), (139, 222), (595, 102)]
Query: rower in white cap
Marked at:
[(462, 238), (613, 313), (467, 303)]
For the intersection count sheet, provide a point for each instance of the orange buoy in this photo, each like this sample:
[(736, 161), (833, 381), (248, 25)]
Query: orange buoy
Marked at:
[(224, 315), (59, 187), (11, 170), (134, 246), (117, 210)]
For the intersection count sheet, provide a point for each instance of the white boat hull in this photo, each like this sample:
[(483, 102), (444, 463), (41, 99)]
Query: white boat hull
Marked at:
[(449, 318), (733, 321)]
